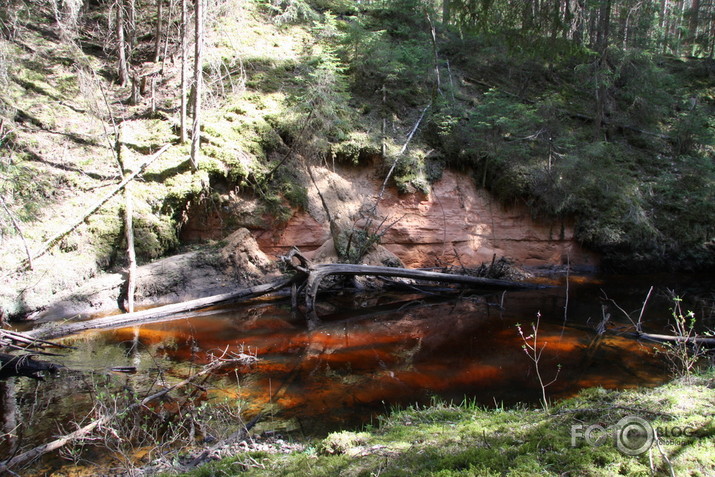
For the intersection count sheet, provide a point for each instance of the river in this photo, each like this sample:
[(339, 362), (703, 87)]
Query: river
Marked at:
[(371, 353)]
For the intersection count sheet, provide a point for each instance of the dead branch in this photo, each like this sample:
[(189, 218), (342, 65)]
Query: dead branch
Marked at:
[(11, 339), (60, 235), (692, 340)]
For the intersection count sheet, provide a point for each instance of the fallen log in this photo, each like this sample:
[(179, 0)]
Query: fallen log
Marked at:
[(154, 314), (316, 273), (311, 275), (704, 341)]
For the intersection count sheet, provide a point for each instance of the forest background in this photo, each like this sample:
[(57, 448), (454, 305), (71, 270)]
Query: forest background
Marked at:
[(596, 112)]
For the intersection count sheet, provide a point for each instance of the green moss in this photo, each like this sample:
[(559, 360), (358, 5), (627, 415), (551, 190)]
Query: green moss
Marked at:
[(449, 440)]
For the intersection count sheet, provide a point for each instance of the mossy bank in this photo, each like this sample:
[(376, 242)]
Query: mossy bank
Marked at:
[(579, 436)]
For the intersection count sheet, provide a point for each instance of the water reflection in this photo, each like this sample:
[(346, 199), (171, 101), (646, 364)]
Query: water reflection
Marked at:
[(370, 353)]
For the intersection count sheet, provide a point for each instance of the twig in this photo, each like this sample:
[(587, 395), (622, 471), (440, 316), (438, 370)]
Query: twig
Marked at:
[(662, 453)]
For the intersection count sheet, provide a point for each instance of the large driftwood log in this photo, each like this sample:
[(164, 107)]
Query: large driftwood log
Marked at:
[(156, 314)]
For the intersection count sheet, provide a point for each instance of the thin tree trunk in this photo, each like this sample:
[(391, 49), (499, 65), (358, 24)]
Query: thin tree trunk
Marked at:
[(435, 53), (184, 67), (157, 33), (122, 45), (198, 79), (128, 220), (446, 12), (131, 253), (694, 20)]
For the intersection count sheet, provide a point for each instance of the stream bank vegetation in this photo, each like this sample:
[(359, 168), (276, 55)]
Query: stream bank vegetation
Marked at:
[(466, 439)]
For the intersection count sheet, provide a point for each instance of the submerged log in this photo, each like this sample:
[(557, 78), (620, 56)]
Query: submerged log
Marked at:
[(24, 365)]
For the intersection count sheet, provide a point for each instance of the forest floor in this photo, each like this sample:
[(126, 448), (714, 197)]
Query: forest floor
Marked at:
[(592, 434)]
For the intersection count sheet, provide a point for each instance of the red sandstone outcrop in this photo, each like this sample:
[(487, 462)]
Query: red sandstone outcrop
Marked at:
[(455, 218)]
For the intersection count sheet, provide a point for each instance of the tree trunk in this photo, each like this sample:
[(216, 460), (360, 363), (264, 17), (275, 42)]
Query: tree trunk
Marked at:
[(184, 67), (131, 253), (158, 313), (198, 79), (446, 12), (157, 33), (128, 220), (122, 45), (694, 21)]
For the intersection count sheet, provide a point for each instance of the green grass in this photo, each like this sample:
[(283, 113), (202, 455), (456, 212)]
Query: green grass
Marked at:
[(463, 440)]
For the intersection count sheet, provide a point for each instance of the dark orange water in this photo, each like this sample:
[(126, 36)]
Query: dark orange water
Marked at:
[(371, 353)]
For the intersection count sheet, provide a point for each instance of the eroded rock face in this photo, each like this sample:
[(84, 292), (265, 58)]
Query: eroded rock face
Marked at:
[(457, 219), (454, 219)]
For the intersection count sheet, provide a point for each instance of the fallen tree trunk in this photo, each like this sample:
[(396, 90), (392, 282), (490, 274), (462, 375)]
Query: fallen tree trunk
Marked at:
[(692, 340), (155, 314), (311, 275), (317, 273)]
